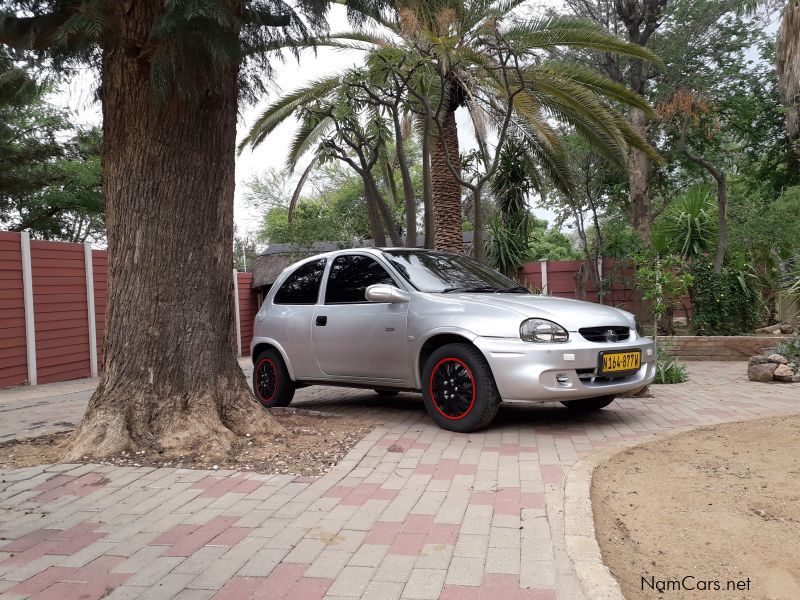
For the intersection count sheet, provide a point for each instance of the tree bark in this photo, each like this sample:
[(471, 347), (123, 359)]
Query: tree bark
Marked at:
[(640, 170), (788, 66), (383, 210), (170, 378), (478, 242), (408, 186), (427, 192), (446, 187)]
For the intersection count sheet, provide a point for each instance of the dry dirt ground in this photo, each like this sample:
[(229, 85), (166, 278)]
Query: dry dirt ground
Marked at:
[(718, 506), (312, 444)]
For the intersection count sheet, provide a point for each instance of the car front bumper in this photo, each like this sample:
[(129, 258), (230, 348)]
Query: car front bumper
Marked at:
[(531, 372)]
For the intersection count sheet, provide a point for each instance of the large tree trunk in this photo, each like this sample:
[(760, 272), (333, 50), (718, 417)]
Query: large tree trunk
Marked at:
[(478, 242), (789, 69), (446, 187), (640, 169), (427, 191), (170, 378)]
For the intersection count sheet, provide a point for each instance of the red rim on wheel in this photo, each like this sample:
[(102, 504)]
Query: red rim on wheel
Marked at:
[(266, 380), (452, 388)]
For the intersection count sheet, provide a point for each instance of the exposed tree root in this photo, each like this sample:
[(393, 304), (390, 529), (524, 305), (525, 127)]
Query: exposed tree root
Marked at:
[(120, 418)]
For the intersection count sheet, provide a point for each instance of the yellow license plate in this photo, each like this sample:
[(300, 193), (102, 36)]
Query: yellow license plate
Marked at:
[(614, 362)]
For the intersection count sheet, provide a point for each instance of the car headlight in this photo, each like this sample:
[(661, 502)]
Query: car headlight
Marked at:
[(639, 329), (542, 331)]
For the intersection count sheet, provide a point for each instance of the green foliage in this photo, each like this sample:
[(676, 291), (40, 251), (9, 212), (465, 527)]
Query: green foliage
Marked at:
[(789, 348), (663, 280), (723, 302), (550, 243), (50, 182), (508, 243), (668, 370), (689, 226), (334, 212)]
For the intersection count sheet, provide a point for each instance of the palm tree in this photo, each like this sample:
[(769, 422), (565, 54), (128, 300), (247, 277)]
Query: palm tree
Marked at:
[(475, 54), (789, 69)]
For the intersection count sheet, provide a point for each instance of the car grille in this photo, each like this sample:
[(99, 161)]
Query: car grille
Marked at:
[(590, 376), (602, 334)]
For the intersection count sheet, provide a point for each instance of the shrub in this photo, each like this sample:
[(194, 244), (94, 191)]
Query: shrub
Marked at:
[(789, 348), (723, 303), (669, 370)]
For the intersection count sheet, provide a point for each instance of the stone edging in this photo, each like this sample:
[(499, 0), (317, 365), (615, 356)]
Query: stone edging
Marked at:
[(595, 578)]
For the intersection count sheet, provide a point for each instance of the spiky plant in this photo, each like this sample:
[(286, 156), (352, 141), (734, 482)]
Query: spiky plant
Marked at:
[(476, 54)]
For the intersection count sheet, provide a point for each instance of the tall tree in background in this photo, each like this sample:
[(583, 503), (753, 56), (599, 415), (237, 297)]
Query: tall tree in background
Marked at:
[(49, 168), (789, 69), (171, 75), (478, 55), (687, 35)]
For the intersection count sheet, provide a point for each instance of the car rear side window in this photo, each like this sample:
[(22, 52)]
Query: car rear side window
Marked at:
[(302, 286), (351, 275)]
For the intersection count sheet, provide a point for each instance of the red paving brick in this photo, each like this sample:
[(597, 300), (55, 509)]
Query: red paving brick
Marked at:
[(383, 533), (239, 588), (509, 455), (199, 538)]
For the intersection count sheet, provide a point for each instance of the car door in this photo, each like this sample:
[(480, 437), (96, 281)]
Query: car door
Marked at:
[(357, 339), (291, 316)]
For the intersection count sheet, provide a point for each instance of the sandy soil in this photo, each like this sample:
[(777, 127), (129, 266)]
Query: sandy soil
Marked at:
[(311, 446), (719, 506)]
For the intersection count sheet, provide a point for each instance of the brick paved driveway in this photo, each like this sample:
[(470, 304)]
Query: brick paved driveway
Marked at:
[(412, 512)]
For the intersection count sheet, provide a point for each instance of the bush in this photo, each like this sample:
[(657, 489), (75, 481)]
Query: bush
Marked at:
[(790, 348), (723, 304), (668, 370)]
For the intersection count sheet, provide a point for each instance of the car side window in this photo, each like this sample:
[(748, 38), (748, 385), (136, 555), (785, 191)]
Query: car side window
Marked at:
[(302, 286), (351, 275)]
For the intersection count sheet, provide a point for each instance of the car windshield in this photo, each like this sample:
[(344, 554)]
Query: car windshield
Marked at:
[(441, 272)]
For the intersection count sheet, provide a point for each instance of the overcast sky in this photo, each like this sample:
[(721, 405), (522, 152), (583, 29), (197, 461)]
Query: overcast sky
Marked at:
[(78, 94)]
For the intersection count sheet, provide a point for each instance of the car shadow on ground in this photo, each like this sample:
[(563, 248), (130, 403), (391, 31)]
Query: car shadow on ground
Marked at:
[(369, 405)]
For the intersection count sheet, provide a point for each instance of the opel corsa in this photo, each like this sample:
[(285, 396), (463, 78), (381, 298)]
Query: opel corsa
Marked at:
[(445, 325)]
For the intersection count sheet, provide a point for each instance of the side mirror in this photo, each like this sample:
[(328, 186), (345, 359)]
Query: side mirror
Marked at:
[(386, 293)]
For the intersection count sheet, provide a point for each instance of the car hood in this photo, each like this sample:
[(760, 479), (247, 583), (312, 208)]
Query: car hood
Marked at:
[(570, 314)]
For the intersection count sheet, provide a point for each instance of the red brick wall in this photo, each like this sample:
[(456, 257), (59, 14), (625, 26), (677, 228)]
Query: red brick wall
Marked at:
[(100, 275), (13, 355), (61, 311), (248, 307)]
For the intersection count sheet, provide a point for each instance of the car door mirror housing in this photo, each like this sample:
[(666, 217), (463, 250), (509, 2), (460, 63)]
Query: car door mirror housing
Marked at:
[(386, 293)]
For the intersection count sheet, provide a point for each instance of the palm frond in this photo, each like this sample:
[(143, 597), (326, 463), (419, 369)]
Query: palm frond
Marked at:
[(552, 32), (285, 107)]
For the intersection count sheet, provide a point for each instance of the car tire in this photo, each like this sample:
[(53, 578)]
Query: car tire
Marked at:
[(272, 384), (589, 404), (387, 393), (459, 389)]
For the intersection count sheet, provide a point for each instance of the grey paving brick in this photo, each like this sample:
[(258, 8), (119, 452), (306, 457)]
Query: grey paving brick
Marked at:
[(352, 582), (329, 563), (203, 559), (153, 570), (503, 560), (465, 570), (369, 555), (217, 576), (395, 567), (383, 590), (424, 584)]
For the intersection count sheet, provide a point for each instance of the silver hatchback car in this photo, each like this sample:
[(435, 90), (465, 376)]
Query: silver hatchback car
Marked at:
[(464, 335)]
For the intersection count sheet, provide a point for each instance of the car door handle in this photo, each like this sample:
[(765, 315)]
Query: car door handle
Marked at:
[(321, 321)]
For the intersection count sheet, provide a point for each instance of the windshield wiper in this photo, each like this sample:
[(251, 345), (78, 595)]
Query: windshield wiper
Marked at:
[(515, 289), (484, 288)]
